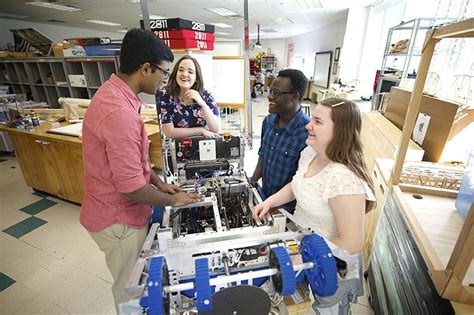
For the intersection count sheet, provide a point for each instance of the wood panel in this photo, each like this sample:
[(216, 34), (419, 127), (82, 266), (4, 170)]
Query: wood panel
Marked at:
[(68, 161)]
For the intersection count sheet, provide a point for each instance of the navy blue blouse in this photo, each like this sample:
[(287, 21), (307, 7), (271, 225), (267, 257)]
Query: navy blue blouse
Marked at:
[(173, 110)]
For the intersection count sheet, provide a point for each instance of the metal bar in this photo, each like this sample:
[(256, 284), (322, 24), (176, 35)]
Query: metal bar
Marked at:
[(235, 278), (145, 14)]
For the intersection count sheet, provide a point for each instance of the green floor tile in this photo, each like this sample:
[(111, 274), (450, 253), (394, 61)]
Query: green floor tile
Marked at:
[(40, 194), (24, 227), (38, 206), (5, 281)]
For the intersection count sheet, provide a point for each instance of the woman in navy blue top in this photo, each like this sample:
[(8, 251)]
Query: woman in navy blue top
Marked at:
[(186, 108)]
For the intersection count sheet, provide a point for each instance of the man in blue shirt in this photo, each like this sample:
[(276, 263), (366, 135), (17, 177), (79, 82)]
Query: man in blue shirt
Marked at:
[(283, 133)]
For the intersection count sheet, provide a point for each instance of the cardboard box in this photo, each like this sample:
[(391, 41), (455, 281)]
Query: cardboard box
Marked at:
[(446, 119), (77, 80), (58, 49)]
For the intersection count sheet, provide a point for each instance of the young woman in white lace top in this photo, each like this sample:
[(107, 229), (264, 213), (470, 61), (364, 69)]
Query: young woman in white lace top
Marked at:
[(332, 188)]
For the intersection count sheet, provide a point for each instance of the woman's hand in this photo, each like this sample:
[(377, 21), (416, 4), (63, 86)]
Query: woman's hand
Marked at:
[(194, 95), (209, 134), (260, 210)]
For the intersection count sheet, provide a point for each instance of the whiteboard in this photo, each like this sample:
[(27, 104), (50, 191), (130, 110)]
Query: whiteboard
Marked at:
[(229, 79), (322, 68)]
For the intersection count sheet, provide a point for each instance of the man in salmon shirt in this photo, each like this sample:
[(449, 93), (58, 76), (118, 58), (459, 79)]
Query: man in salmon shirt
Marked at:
[(119, 185)]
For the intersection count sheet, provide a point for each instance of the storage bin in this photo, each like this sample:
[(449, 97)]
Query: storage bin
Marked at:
[(102, 50)]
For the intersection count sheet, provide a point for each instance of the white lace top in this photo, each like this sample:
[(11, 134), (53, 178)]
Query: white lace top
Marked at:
[(312, 193)]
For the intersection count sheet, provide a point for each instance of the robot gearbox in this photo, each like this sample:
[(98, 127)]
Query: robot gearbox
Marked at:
[(212, 257)]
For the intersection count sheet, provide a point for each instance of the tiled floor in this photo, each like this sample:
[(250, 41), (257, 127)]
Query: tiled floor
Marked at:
[(48, 262)]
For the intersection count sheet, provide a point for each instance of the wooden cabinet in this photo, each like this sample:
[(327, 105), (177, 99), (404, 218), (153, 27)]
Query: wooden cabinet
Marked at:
[(50, 166), (53, 163)]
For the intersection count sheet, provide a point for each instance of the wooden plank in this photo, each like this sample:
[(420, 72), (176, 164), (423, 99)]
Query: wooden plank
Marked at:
[(463, 252), (457, 292), (425, 246), (428, 190), (461, 29), (413, 109)]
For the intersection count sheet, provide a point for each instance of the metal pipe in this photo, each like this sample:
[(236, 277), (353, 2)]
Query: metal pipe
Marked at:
[(235, 278)]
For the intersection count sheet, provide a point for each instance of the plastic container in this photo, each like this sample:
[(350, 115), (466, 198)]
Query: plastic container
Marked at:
[(102, 50), (34, 119), (466, 191)]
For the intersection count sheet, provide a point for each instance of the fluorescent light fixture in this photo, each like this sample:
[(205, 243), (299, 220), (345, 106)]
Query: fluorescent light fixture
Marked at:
[(309, 4), (282, 21), (222, 11), (102, 22), (222, 25), (221, 33), (122, 31), (138, 1), (155, 17), (55, 6), (13, 16)]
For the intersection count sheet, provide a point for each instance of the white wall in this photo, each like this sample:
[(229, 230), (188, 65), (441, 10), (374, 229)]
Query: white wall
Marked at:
[(324, 39), (354, 38), (55, 32)]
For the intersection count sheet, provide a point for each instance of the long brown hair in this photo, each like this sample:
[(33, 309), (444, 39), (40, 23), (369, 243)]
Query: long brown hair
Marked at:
[(172, 87), (346, 146)]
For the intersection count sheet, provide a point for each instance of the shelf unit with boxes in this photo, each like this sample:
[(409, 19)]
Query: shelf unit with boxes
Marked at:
[(268, 62), (397, 64), (421, 234), (47, 79)]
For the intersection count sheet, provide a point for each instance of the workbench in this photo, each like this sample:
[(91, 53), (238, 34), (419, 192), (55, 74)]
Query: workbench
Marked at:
[(52, 163)]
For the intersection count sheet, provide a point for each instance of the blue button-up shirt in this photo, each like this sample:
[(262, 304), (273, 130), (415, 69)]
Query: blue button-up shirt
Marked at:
[(280, 150)]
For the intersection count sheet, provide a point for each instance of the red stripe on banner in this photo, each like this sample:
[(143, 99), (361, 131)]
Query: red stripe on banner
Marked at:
[(184, 34), (189, 44)]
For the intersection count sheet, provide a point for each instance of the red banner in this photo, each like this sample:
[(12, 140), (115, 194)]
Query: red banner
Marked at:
[(189, 44), (184, 34)]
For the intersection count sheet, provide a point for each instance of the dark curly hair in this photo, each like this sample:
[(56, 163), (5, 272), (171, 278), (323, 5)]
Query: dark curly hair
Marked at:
[(299, 82), (141, 46)]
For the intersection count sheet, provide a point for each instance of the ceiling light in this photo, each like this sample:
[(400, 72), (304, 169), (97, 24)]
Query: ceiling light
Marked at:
[(309, 4), (122, 31), (222, 11), (13, 16), (155, 17), (102, 22), (138, 1), (55, 6), (282, 21), (221, 33), (222, 25)]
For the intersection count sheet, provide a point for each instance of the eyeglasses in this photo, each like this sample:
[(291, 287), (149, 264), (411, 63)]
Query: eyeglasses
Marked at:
[(277, 93), (166, 74)]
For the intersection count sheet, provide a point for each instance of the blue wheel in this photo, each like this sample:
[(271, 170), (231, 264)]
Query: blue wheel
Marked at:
[(284, 281), (323, 276), (157, 302), (202, 285)]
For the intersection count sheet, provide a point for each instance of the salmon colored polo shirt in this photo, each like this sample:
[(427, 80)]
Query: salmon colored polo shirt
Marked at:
[(115, 154)]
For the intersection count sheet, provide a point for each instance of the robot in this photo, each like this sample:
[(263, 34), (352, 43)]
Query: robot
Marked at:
[(212, 257)]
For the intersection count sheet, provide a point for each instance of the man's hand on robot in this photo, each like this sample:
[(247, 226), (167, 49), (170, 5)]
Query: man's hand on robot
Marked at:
[(169, 188), (182, 199)]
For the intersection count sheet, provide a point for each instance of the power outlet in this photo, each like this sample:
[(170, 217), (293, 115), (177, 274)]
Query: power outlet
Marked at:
[(207, 150)]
